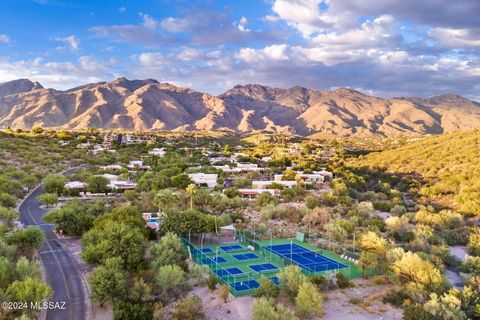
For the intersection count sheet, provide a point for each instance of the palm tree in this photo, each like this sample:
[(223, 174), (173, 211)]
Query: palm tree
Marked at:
[(192, 191)]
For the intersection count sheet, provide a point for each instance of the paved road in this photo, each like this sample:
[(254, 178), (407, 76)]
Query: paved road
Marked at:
[(62, 272)]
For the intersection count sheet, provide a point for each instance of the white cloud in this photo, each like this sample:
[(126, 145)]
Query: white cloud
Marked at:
[(72, 42), (304, 15), (122, 9), (242, 24), (61, 75), (4, 38), (149, 22), (151, 59), (276, 52), (456, 38)]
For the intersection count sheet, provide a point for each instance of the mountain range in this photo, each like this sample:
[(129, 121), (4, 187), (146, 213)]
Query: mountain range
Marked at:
[(151, 105)]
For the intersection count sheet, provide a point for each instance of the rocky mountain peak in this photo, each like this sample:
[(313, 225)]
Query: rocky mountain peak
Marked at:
[(150, 105)]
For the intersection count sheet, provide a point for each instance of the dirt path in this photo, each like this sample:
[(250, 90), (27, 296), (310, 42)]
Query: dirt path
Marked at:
[(235, 309), (369, 306)]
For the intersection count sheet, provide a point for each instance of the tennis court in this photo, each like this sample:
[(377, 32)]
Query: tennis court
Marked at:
[(240, 267), (263, 267), (305, 258), (245, 256), (231, 248), (205, 250), (245, 285)]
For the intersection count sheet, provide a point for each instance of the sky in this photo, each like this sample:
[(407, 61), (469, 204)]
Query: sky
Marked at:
[(388, 48)]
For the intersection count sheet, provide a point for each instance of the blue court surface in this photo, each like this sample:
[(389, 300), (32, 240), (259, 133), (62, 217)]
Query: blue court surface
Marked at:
[(219, 259), (305, 258), (228, 272), (234, 247), (245, 256), (245, 285), (263, 267), (211, 261), (203, 250)]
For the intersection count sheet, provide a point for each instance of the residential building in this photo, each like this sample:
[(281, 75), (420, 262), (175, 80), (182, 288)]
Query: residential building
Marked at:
[(208, 179), (251, 194), (159, 152), (261, 184)]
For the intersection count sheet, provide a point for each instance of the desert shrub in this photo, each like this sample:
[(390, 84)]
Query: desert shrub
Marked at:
[(212, 282), (395, 297), (343, 282), (267, 289), (189, 308)]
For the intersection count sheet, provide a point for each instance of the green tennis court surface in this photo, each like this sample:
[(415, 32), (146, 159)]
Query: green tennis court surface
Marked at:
[(242, 269)]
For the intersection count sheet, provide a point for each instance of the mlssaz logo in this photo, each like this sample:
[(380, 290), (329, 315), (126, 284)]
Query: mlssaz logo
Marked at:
[(48, 305)]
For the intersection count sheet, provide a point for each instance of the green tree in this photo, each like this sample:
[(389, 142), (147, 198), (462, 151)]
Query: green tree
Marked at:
[(97, 184), (108, 282), (181, 222), (129, 215), (75, 217), (27, 239), (265, 309), (54, 183), (130, 195), (7, 200), (114, 239), (291, 278), (26, 269), (7, 215), (48, 199), (167, 199), (265, 199), (309, 301), (7, 272), (30, 289), (171, 281), (267, 289), (124, 310), (169, 250), (181, 181)]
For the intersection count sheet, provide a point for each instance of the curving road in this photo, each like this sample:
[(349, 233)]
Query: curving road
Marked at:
[(62, 271)]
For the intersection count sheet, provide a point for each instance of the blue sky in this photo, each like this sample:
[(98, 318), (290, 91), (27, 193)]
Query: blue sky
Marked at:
[(387, 48)]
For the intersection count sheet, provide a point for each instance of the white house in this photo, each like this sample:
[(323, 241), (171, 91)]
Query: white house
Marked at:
[(159, 152), (327, 174), (110, 177), (122, 185), (240, 168), (75, 185), (209, 179), (137, 164), (261, 184), (251, 194), (85, 145), (112, 167), (314, 177)]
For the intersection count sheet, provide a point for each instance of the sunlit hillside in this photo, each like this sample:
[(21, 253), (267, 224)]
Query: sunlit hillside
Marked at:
[(449, 165)]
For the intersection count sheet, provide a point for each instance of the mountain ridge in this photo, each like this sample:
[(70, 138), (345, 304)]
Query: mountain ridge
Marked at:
[(152, 105)]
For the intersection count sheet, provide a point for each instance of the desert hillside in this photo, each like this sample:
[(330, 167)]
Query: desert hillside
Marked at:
[(449, 165), (150, 105)]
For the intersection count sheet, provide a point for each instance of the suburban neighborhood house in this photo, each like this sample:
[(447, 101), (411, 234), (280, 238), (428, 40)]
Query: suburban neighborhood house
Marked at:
[(208, 179), (260, 184), (251, 194)]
